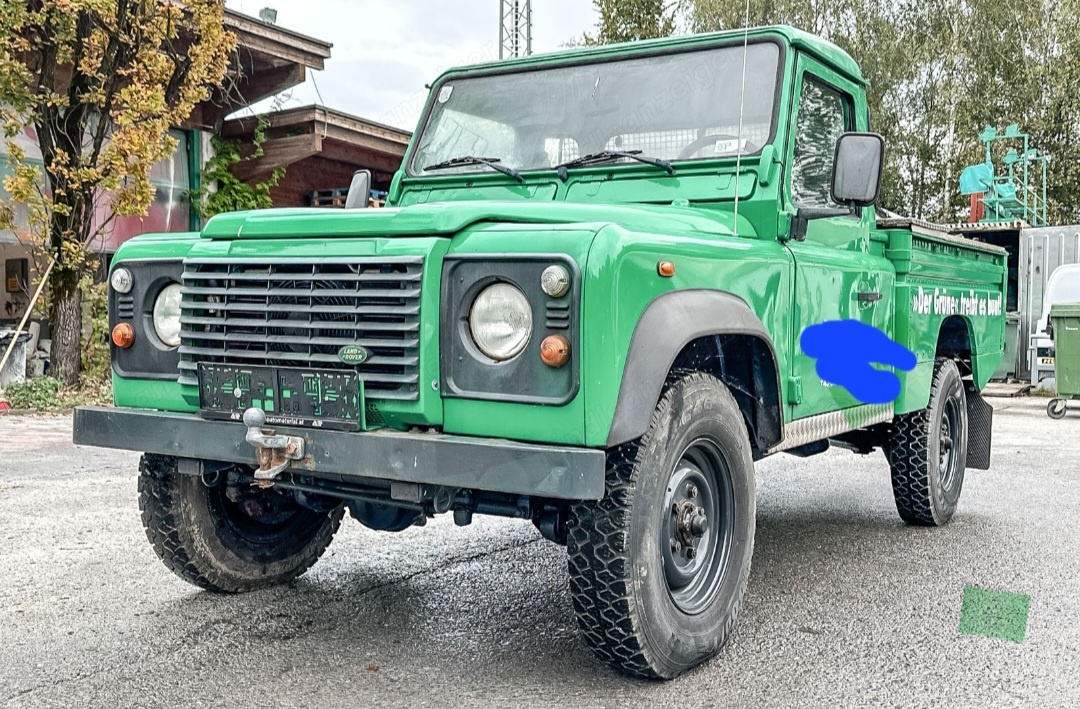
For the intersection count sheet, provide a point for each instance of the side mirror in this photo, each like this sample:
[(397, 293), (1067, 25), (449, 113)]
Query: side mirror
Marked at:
[(359, 190), (857, 169)]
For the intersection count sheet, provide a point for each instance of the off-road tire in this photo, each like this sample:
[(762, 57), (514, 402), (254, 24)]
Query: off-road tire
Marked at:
[(624, 607), (925, 494), (187, 527)]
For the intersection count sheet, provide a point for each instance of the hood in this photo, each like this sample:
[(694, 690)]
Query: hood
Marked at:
[(449, 218)]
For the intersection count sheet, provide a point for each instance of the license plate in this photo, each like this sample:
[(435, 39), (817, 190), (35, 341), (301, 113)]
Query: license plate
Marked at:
[(1046, 360), (290, 397)]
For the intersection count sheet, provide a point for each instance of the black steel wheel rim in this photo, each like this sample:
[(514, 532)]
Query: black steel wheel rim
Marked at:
[(698, 526), (258, 516), (947, 442)]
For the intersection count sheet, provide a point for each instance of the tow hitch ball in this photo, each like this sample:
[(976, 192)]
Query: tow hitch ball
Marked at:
[(275, 453)]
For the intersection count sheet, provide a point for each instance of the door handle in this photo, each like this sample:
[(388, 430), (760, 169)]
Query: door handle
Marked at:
[(869, 297)]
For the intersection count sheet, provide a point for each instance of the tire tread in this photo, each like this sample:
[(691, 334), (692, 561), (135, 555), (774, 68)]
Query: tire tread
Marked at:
[(909, 451), (159, 505), (599, 558)]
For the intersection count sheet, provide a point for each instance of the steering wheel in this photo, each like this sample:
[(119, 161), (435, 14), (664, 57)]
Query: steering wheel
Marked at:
[(690, 150)]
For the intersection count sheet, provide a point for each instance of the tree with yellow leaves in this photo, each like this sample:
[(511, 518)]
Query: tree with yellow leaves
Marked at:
[(100, 82)]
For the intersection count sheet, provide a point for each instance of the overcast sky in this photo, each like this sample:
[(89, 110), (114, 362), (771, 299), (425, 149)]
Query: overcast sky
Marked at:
[(385, 51)]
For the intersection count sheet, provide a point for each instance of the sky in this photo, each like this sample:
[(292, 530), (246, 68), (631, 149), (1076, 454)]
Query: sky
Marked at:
[(385, 51)]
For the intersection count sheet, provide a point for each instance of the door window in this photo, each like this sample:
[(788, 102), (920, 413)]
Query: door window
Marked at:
[(821, 121)]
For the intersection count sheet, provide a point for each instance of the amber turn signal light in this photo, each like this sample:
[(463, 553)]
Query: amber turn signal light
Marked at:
[(123, 335), (555, 351), (666, 269)]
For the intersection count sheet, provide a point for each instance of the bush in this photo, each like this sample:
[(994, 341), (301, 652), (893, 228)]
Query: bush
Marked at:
[(96, 370), (40, 393)]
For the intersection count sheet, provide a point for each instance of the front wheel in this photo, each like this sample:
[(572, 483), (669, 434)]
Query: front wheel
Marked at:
[(658, 567), (228, 538), (1056, 409), (928, 452)]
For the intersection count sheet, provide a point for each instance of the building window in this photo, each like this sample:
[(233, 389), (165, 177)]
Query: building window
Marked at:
[(171, 209)]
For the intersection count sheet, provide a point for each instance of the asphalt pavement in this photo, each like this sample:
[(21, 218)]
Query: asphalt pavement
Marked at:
[(846, 607)]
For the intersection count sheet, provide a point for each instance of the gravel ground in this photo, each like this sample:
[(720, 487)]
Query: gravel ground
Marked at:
[(846, 605)]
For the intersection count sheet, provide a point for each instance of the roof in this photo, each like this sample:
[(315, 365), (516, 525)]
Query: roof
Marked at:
[(268, 60), (277, 41), (295, 134), (822, 49), (328, 116)]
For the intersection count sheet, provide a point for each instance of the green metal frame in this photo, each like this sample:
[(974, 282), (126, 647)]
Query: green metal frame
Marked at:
[(1009, 195)]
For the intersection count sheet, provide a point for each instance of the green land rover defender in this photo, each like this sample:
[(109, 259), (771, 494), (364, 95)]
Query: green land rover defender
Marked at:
[(582, 307)]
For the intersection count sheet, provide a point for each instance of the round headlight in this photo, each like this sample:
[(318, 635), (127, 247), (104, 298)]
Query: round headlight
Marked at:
[(501, 321), (555, 280), (121, 280), (167, 315)]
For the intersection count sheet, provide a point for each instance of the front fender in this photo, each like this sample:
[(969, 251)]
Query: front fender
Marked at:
[(671, 322)]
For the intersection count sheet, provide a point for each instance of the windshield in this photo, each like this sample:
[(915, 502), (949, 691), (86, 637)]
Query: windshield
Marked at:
[(681, 106)]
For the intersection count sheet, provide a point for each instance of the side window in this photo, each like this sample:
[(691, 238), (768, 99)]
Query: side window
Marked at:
[(821, 122)]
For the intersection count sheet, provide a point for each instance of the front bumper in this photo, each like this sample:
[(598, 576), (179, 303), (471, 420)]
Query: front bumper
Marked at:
[(484, 464)]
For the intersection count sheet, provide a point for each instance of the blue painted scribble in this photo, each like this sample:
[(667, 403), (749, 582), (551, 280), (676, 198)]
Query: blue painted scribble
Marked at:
[(845, 349)]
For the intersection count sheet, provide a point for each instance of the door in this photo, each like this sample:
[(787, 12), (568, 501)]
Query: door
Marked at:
[(836, 275)]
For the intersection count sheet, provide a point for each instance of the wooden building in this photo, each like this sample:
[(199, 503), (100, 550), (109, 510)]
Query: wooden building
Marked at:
[(320, 149)]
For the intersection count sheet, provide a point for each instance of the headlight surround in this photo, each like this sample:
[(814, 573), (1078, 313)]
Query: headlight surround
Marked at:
[(500, 321), (167, 315)]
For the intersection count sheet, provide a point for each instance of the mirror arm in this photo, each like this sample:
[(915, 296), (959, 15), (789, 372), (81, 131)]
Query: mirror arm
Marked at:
[(805, 215)]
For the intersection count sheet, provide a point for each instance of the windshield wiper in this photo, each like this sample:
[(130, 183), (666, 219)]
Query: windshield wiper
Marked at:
[(610, 156), (493, 163)]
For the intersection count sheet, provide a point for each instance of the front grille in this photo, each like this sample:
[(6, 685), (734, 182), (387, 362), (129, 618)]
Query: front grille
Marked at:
[(294, 313)]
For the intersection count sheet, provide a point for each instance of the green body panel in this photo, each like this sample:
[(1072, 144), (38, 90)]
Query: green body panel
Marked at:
[(621, 280), (937, 278), (617, 222), (156, 246), (153, 394), (834, 264)]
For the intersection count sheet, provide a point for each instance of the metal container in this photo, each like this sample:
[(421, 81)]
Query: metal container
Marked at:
[(1041, 251), (15, 368), (1066, 324), (1065, 327), (1007, 368)]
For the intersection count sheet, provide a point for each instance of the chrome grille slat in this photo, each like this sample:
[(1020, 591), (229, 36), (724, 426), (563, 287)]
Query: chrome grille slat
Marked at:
[(343, 310), (410, 325), (295, 313), (358, 278), (297, 293), (263, 354), (295, 340)]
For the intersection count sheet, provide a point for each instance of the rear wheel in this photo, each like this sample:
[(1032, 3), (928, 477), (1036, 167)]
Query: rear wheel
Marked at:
[(1057, 408), (928, 452), (228, 538), (658, 568)]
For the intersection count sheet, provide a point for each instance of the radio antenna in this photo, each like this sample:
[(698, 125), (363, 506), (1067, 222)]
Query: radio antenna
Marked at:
[(742, 104)]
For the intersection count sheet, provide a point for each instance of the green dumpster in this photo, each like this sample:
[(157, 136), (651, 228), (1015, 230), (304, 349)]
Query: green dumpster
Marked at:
[(1007, 369), (1065, 322)]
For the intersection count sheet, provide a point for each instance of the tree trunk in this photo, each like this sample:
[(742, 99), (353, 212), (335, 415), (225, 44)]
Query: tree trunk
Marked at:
[(65, 314)]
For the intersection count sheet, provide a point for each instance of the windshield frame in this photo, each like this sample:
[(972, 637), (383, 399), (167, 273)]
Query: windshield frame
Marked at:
[(415, 171)]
